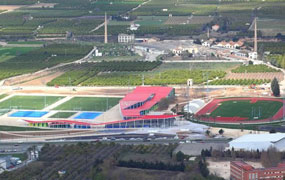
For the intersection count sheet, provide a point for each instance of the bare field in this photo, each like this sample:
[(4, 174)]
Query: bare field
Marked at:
[(9, 7)]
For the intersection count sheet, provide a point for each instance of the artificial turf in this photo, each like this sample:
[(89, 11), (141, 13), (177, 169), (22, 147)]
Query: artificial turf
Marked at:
[(89, 104), (62, 115), (29, 102), (244, 108)]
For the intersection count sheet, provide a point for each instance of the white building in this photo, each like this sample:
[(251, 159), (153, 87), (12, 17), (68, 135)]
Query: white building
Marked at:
[(252, 55), (207, 44), (126, 38), (134, 27), (259, 141)]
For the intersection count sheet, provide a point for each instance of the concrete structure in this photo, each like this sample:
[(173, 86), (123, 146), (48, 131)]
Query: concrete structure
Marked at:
[(126, 38), (194, 106), (261, 142), (106, 31), (243, 171)]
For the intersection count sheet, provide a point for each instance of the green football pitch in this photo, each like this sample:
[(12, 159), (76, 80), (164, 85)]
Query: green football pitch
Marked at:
[(89, 104), (244, 108), (29, 102), (62, 115)]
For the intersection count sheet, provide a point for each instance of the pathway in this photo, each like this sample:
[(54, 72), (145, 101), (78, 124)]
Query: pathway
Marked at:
[(54, 105)]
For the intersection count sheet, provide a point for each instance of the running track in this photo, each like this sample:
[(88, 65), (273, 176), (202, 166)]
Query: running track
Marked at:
[(210, 107)]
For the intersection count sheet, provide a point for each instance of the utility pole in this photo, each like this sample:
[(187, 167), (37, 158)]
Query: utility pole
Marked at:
[(106, 31), (255, 35)]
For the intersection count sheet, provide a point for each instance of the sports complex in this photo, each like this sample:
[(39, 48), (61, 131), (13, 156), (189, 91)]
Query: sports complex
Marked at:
[(135, 110), (240, 110)]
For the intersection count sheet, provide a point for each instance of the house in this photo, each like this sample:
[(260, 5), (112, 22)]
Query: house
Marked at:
[(215, 27), (179, 50), (126, 38), (252, 55), (230, 45), (252, 142), (134, 27), (207, 43)]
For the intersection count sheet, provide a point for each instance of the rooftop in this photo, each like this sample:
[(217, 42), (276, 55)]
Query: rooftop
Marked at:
[(141, 94)]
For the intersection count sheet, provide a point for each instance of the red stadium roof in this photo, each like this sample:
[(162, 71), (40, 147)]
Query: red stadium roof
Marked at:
[(106, 123), (141, 94)]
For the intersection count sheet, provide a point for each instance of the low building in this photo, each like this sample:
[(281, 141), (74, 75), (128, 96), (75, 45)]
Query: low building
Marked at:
[(253, 55), (253, 142), (215, 27), (240, 170), (126, 38), (207, 43), (230, 45), (134, 27)]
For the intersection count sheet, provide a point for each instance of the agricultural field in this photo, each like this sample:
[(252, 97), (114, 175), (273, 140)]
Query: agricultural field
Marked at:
[(271, 27), (40, 58), (197, 66), (189, 20), (7, 53), (120, 73), (261, 68), (247, 109), (89, 104), (242, 82), (60, 26), (29, 102), (103, 161), (151, 20), (163, 78), (62, 115), (277, 60), (81, 73)]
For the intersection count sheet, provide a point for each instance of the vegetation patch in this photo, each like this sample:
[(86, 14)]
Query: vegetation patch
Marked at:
[(261, 68)]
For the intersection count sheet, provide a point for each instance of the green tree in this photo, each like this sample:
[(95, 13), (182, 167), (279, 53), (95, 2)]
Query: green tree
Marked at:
[(275, 87), (180, 156)]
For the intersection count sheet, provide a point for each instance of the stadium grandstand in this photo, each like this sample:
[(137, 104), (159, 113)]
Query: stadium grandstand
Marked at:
[(194, 106)]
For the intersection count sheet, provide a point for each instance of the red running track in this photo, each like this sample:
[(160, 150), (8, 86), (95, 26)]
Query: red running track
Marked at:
[(211, 106)]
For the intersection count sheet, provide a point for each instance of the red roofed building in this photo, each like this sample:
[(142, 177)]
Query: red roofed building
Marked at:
[(142, 100), (243, 171)]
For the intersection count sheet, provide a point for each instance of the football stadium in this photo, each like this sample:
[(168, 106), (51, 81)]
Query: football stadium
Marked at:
[(242, 110)]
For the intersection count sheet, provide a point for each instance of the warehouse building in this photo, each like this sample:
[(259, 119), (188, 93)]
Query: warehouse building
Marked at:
[(261, 142)]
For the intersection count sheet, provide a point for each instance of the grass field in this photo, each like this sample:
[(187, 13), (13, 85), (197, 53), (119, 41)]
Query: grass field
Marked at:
[(15, 128), (89, 104), (22, 156), (244, 108), (3, 95), (62, 115), (10, 52), (29, 102)]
